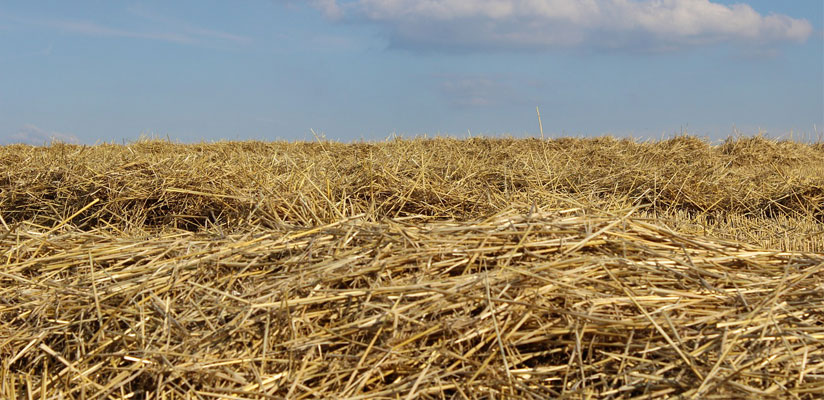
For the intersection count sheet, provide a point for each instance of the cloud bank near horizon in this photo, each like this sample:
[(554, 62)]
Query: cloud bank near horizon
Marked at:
[(639, 25), (33, 135)]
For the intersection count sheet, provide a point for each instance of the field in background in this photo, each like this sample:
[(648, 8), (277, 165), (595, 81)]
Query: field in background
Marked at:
[(424, 268)]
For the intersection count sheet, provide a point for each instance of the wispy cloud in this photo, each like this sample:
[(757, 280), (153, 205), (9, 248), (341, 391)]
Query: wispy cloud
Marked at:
[(329, 7), (34, 135), (471, 91), (647, 25), (46, 51), (147, 26), (43, 52), (187, 28), (94, 29)]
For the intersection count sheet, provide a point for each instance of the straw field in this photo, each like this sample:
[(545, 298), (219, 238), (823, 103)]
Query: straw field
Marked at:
[(413, 269)]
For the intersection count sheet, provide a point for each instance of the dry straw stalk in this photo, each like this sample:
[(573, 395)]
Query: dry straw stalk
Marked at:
[(335, 272)]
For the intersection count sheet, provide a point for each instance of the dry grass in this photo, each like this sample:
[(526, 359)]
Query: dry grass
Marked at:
[(481, 268), (239, 186)]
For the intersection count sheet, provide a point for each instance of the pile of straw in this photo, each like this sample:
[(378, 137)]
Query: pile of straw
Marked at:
[(542, 304), (431, 269), (751, 189)]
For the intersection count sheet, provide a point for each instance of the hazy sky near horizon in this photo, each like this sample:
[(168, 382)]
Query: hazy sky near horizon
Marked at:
[(100, 71)]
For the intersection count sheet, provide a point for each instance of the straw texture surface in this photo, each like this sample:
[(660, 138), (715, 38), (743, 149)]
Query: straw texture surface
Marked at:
[(152, 276)]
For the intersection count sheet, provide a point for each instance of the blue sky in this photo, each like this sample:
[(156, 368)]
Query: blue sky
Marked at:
[(100, 71)]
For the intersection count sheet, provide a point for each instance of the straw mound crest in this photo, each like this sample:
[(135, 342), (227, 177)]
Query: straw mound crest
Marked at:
[(151, 185)]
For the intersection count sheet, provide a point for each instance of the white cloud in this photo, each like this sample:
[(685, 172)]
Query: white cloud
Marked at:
[(649, 25), (329, 8), (33, 135)]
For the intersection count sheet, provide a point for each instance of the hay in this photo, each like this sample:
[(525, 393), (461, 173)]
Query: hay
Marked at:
[(152, 185), (548, 304), (139, 281)]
